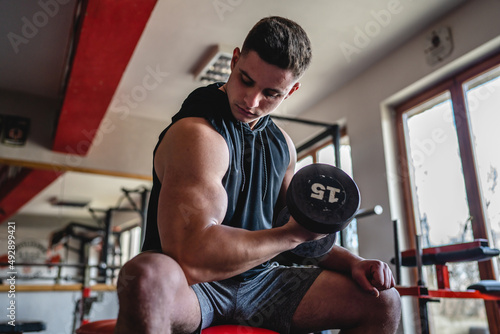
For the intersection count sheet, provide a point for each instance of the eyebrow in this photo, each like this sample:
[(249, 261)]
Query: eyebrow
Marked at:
[(252, 80)]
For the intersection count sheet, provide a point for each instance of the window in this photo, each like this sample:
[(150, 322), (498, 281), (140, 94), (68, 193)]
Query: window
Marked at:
[(449, 151)]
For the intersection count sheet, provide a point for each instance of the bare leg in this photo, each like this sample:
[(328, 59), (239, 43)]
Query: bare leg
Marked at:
[(155, 297), (335, 301)]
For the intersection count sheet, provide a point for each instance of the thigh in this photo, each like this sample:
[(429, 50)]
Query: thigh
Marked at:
[(270, 299), (334, 301)]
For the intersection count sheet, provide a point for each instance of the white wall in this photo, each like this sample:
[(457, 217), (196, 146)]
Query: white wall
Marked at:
[(364, 106)]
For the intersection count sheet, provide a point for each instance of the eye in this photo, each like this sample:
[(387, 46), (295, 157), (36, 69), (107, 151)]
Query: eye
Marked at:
[(246, 82), (272, 95)]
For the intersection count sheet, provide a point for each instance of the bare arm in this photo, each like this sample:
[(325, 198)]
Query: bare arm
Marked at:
[(191, 162), (372, 275)]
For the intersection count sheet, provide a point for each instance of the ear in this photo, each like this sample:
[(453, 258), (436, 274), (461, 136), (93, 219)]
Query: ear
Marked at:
[(236, 57), (293, 89)]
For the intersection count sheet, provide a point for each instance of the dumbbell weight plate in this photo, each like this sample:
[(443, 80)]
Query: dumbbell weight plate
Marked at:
[(310, 249), (323, 198)]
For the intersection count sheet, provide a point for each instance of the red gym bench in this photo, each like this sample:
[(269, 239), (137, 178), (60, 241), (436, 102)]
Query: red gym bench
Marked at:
[(108, 327), (477, 250)]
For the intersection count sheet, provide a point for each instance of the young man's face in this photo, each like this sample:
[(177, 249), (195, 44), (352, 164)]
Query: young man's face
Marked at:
[(256, 88)]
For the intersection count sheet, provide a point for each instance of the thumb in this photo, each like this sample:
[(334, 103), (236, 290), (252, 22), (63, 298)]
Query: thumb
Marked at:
[(365, 284)]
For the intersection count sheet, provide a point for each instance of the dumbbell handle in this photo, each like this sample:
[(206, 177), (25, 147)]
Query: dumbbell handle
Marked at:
[(308, 249)]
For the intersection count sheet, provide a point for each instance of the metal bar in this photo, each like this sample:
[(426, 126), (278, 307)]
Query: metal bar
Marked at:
[(334, 131), (314, 140), (418, 257), (303, 121), (71, 265), (144, 212), (130, 199), (397, 252), (376, 210), (105, 243)]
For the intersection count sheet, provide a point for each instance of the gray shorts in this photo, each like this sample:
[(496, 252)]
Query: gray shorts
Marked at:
[(267, 301)]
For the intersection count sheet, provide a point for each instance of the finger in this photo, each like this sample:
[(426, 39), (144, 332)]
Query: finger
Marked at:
[(377, 277), (389, 281), (364, 281), (388, 277)]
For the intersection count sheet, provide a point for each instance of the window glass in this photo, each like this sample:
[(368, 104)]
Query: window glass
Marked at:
[(483, 101), (438, 183), (304, 162), (345, 157), (351, 232), (441, 208), (327, 155)]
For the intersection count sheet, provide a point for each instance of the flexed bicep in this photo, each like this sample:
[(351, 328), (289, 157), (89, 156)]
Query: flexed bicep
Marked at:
[(190, 162)]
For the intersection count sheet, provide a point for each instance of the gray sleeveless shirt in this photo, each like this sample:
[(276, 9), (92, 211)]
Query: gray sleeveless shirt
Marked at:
[(258, 160)]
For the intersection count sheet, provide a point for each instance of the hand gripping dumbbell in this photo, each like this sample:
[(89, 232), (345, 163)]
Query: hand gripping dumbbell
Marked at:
[(323, 199)]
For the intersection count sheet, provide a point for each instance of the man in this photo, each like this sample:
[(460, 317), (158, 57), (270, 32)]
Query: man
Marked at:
[(221, 171)]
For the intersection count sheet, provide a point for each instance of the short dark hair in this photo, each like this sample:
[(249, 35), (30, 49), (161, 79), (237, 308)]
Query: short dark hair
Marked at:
[(281, 42)]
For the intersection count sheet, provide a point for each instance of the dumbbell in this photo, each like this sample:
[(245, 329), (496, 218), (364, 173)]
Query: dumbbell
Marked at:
[(323, 199)]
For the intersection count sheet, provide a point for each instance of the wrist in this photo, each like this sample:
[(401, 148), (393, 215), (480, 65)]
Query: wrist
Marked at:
[(342, 260)]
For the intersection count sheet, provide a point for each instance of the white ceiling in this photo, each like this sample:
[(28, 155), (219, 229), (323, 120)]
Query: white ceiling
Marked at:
[(34, 46), (180, 31), (177, 35)]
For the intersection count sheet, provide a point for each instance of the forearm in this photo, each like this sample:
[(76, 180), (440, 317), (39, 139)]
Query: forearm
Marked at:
[(340, 259), (220, 252)]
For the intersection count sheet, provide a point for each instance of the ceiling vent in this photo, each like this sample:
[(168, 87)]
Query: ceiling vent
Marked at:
[(214, 66)]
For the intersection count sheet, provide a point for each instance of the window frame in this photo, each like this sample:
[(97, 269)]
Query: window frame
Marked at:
[(313, 149), (455, 86)]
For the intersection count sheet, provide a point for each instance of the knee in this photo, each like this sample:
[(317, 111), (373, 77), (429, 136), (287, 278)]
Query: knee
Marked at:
[(147, 275), (388, 307)]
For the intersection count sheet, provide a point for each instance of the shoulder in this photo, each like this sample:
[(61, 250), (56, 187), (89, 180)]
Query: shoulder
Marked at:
[(191, 144), (206, 102), (205, 97)]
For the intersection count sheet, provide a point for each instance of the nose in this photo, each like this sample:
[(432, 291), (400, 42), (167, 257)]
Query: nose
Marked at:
[(252, 98)]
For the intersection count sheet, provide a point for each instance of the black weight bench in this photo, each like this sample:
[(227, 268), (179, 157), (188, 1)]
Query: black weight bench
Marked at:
[(490, 287)]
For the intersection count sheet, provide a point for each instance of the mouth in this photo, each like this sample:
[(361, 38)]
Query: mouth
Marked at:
[(245, 112)]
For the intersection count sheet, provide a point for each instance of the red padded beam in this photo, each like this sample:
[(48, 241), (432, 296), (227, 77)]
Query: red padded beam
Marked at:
[(109, 34), (23, 188), (423, 293)]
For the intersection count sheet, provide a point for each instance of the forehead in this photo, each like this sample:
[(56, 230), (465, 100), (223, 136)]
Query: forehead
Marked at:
[(263, 73)]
